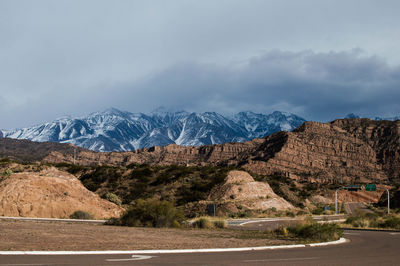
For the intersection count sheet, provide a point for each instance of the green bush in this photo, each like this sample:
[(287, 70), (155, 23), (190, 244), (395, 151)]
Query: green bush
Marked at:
[(374, 220), (7, 173), (152, 213), (81, 215), (392, 222), (317, 232), (113, 198)]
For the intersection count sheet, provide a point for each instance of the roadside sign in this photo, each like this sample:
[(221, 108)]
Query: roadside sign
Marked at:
[(370, 187)]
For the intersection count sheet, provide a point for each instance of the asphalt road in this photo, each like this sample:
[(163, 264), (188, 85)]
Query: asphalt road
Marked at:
[(364, 248), (354, 207), (274, 223)]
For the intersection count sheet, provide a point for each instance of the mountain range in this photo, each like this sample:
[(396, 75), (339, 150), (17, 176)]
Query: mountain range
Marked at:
[(116, 130)]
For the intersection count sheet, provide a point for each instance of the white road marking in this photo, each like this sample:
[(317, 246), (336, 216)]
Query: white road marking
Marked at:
[(134, 257), (395, 234), (296, 259), (169, 251)]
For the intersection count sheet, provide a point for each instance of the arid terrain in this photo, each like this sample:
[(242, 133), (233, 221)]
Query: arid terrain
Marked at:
[(17, 235), (286, 171), (50, 193)]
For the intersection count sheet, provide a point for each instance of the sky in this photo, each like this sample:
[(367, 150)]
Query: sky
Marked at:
[(319, 59)]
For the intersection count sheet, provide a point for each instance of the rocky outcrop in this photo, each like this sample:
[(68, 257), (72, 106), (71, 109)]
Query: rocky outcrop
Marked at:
[(1, 134), (382, 136), (240, 189), (344, 151), (50, 194), (316, 152), (165, 155)]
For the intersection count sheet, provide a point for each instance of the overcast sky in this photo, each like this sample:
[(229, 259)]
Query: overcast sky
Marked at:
[(319, 59)]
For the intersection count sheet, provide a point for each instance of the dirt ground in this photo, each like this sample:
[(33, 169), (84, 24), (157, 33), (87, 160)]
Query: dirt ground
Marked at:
[(29, 235)]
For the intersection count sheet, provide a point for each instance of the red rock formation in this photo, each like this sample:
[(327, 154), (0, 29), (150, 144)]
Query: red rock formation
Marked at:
[(313, 152), (382, 136), (316, 152)]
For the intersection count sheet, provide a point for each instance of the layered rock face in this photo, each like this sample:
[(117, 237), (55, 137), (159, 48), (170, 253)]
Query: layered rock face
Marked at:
[(166, 155), (316, 152), (382, 136)]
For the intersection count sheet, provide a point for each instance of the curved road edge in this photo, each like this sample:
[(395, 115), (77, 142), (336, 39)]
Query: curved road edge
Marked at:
[(171, 251)]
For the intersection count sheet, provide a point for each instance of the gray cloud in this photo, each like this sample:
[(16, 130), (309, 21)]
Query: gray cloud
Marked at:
[(74, 57), (319, 86)]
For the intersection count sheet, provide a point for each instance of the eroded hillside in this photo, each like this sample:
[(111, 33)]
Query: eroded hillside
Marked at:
[(50, 193)]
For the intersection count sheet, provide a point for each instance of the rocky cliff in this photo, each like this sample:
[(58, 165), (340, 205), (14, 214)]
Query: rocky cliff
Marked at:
[(382, 136), (314, 152)]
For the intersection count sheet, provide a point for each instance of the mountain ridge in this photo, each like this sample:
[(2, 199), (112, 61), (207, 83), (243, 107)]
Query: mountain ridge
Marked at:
[(116, 130)]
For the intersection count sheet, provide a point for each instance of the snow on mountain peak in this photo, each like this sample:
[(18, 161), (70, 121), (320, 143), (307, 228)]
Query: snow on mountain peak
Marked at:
[(116, 130)]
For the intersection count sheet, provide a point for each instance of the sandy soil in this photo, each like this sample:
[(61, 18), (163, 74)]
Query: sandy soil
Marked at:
[(50, 193), (28, 235)]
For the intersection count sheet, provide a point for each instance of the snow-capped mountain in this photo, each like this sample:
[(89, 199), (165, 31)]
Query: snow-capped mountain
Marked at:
[(115, 130)]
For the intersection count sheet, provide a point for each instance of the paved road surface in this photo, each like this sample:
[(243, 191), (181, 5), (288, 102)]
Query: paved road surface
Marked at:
[(355, 207), (365, 248), (274, 223)]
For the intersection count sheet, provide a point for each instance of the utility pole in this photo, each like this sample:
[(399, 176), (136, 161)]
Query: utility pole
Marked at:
[(388, 201)]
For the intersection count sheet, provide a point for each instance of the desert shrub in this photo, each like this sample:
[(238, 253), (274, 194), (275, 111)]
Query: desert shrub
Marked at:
[(281, 231), (152, 213), (99, 175), (391, 222), (365, 220), (5, 160), (317, 232), (290, 214), (219, 224), (113, 198), (81, 215), (7, 173), (203, 223), (301, 212), (358, 221), (318, 211)]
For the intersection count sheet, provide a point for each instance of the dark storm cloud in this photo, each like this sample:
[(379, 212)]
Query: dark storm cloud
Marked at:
[(75, 57), (319, 86)]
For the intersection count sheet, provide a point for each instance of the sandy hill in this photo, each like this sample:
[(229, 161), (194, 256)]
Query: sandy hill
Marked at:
[(240, 189), (50, 193)]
